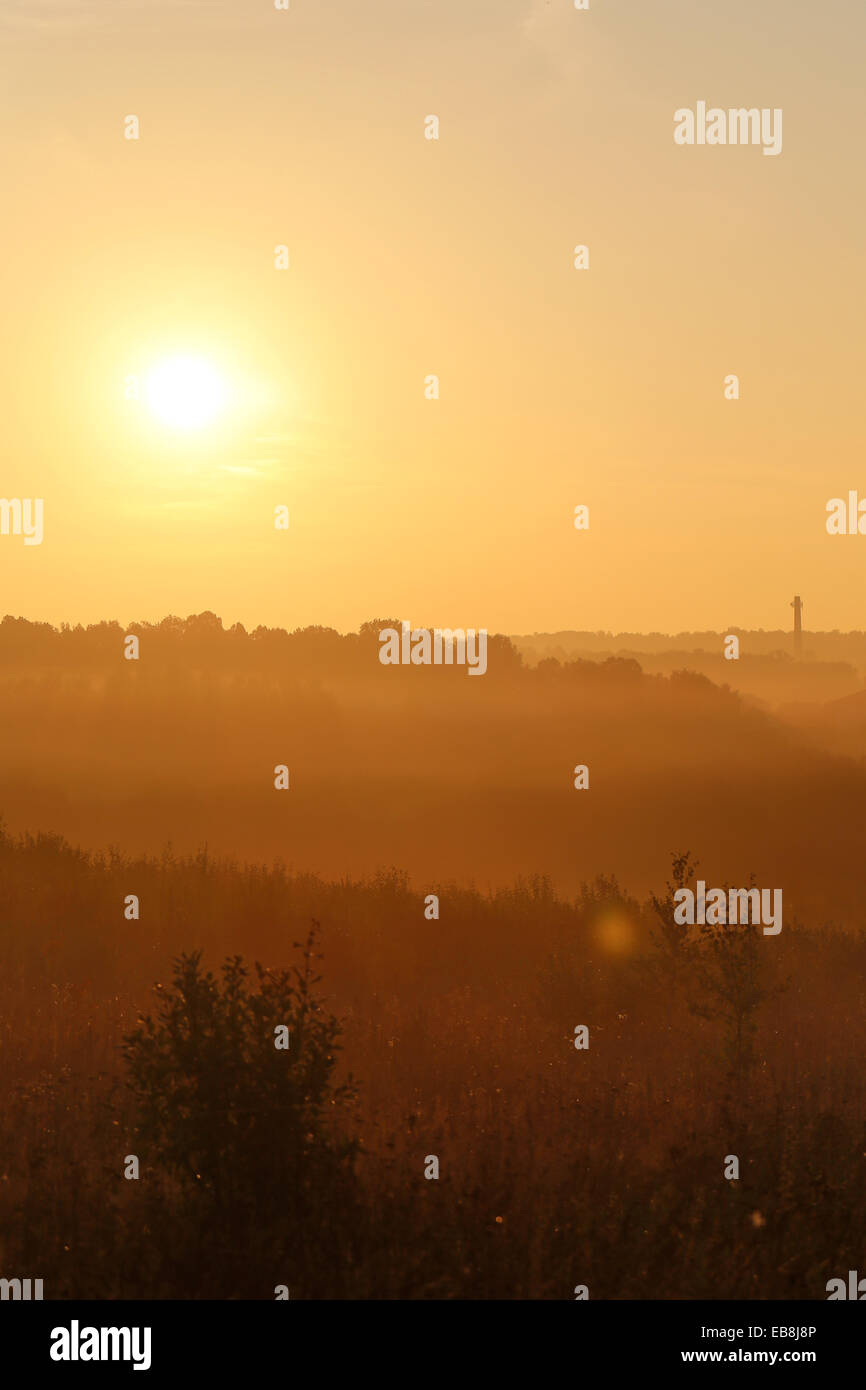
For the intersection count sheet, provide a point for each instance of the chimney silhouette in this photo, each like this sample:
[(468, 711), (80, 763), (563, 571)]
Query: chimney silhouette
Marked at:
[(797, 606)]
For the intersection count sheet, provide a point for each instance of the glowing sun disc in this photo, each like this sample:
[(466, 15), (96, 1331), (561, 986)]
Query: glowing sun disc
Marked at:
[(185, 392)]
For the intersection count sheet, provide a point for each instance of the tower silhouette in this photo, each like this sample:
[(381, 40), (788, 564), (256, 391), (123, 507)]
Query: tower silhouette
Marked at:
[(797, 606)]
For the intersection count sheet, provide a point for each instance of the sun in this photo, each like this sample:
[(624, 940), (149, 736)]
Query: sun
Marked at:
[(185, 392)]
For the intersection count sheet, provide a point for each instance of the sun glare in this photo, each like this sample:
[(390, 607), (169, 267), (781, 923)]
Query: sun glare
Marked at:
[(185, 392)]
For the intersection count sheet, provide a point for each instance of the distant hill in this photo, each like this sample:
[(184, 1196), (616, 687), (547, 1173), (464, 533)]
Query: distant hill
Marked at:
[(817, 646), (831, 665)]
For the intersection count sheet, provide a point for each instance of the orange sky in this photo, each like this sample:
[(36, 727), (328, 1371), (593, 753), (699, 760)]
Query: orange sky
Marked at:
[(411, 257)]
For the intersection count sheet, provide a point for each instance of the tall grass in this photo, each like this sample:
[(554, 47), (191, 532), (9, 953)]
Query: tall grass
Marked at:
[(558, 1167)]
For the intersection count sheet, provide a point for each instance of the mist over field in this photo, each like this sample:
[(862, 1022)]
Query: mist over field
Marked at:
[(425, 768)]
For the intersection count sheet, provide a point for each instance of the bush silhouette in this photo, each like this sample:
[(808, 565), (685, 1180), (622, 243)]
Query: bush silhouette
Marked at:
[(221, 1108)]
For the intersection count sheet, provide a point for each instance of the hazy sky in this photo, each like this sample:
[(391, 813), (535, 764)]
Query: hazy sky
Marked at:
[(410, 257)]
